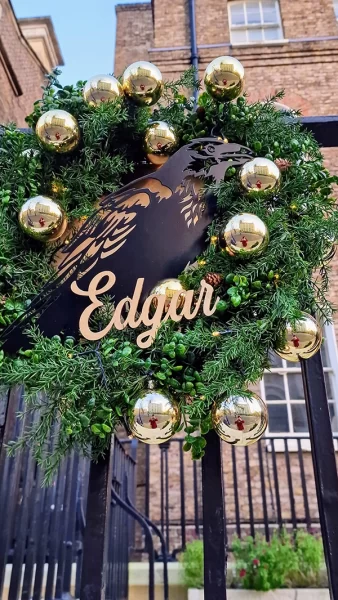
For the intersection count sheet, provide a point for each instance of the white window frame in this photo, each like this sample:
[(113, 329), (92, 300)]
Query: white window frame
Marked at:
[(331, 348), (263, 26)]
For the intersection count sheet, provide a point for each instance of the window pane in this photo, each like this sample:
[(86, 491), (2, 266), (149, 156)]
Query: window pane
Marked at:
[(275, 360), (334, 419), (269, 9), (237, 14), (335, 6), (238, 37), (255, 35), (278, 418), (274, 387), (299, 418), (325, 355), (253, 15), (295, 386), (272, 33), (329, 385)]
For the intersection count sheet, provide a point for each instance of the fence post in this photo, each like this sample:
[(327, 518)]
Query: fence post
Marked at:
[(93, 580), (324, 463), (214, 532)]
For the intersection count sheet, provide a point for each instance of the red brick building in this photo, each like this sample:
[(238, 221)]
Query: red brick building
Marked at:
[(283, 44), (28, 50)]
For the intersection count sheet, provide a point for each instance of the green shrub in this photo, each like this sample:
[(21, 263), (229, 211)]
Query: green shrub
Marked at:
[(192, 561), (287, 560), (263, 565), (309, 550)]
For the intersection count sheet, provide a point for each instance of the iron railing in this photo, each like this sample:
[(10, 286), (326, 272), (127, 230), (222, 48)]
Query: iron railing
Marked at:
[(267, 486), (43, 528)]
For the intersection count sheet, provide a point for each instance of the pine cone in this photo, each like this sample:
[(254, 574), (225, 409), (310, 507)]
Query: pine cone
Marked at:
[(283, 163), (213, 279), (200, 111)]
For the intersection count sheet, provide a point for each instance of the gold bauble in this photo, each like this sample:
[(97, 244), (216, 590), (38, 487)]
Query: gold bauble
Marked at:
[(244, 235), (156, 417), (224, 78), (160, 142), (303, 340), (167, 288), (58, 131), (42, 219), (240, 420), (101, 88), (142, 83), (260, 175)]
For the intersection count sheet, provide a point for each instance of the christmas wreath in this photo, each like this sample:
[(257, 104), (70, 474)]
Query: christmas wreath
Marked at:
[(275, 226)]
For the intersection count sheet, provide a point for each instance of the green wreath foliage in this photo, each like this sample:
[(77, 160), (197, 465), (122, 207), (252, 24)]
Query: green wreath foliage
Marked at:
[(85, 390)]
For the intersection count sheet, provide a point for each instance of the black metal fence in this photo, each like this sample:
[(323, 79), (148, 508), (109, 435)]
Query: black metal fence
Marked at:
[(42, 528), (267, 486)]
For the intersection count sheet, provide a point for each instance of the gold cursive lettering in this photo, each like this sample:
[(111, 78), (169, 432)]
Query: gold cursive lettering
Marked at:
[(151, 315)]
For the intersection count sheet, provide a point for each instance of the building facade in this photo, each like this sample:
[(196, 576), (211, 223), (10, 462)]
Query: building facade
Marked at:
[(28, 50), (282, 44)]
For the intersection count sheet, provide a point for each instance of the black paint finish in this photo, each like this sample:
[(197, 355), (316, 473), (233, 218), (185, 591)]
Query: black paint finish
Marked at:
[(324, 463), (214, 532), (151, 228)]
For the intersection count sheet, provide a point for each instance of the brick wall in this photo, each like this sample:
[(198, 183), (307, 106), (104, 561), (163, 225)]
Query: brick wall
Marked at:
[(134, 34), (16, 100)]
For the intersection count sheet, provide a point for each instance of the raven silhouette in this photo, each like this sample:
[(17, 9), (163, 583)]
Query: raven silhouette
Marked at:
[(151, 228)]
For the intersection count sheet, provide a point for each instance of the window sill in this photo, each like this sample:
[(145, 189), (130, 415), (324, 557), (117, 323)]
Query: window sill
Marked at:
[(263, 43), (292, 445)]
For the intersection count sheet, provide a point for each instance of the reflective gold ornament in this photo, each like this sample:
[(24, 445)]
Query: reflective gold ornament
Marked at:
[(224, 78), (167, 288), (42, 219), (101, 88), (156, 417), (160, 142), (244, 235), (260, 175), (142, 83), (303, 340), (240, 420), (58, 131)]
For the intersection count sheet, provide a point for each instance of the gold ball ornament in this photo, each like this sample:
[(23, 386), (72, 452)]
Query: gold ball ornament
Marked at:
[(167, 288), (156, 417), (224, 78), (303, 340), (260, 175), (160, 142), (240, 420), (142, 83), (244, 235), (101, 88), (58, 131), (42, 219)]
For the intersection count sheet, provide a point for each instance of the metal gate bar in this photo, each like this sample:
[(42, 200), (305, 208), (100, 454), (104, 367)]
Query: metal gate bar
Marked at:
[(324, 463)]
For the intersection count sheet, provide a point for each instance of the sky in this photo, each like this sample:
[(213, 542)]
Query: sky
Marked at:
[(85, 30)]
